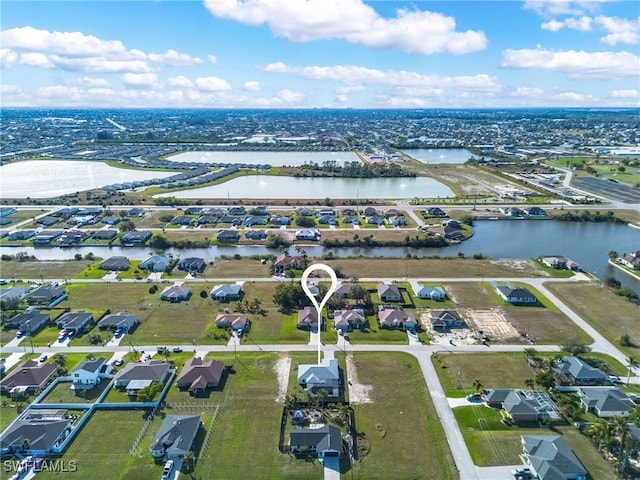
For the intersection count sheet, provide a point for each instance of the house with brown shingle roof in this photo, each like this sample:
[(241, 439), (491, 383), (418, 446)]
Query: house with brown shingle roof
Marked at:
[(396, 318), (31, 376), (197, 376), (308, 318), (235, 321)]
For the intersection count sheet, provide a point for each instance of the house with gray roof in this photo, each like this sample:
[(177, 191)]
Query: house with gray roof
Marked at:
[(74, 322), (192, 264), (16, 293), (226, 293), (325, 441), (197, 376), (605, 402), (495, 396), (347, 320), (550, 458), (521, 408), (575, 369), (37, 432), (155, 263), (135, 376), (236, 321), (175, 294), (443, 320), (175, 436), (517, 295), (135, 237), (325, 376), (29, 323), (21, 234), (228, 236), (47, 295), (308, 318), (30, 376), (396, 318), (121, 320), (117, 263), (90, 373), (431, 293), (389, 292)]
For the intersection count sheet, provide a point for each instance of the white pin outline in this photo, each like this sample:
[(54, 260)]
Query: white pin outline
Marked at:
[(332, 288)]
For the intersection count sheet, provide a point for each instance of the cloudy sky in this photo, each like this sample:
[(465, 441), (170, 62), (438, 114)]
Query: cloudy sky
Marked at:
[(320, 53)]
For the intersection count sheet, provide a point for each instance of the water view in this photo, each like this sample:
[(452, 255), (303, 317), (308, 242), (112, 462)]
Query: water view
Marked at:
[(271, 186), (276, 159), (439, 155), (33, 178)]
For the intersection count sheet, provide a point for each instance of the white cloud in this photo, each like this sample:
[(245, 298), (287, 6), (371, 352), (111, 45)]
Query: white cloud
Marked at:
[(282, 98), (624, 93), (174, 59), (100, 65), (620, 30), (574, 64), (6, 89), (140, 80), (251, 86), (212, 84), (180, 81), (347, 89), (549, 8), (34, 59), (8, 58), (91, 82), (358, 76), (412, 31), (213, 60)]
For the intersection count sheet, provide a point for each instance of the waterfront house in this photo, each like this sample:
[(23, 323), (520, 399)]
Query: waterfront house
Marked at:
[(255, 234), (192, 264), (307, 234), (104, 234), (21, 234), (228, 236), (136, 237), (155, 263), (287, 262), (115, 263), (632, 260)]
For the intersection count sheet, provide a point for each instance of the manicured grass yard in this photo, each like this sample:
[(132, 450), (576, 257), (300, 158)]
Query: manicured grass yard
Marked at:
[(595, 304), (402, 435), (63, 394), (457, 372)]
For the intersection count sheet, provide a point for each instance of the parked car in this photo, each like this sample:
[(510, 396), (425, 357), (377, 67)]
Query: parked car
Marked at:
[(614, 378), (166, 471), (117, 363), (43, 358), (162, 349), (176, 350), (20, 334)]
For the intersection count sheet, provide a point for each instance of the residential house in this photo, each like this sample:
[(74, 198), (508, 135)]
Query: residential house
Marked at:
[(446, 231), (135, 376), (72, 237), (197, 376), (251, 220), (308, 318), (74, 322), (343, 290), (348, 320), (123, 321), (155, 263), (431, 293), (175, 436), (29, 323), (307, 234), (183, 220), (16, 293), (374, 220), (349, 212), (436, 212), (287, 262), (7, 211), (443, 320), (46, 237), (38, 432), (389, 292), (521, 407), (192, 264), (30, 376), (47, 296), (21, 234), (550, 458), (279, 220), (226, 293), (111, 220), (226, 236), (560, 262), (47, 221), (576, 370), (632, 260), (494, 397), (90, 373), (324, 442), (135, 212), (327, 220), (175, 294), (390, 317), (325, 376), (605, 402), (116, 263), (326, 211), (236, 321), (255, 234), (207, 220), (369, 212), (193, 211), (517, 295), (135, 237), (304, 212), (237, 211), (534, 211)]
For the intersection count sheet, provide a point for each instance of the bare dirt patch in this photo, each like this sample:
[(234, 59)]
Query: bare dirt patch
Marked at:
[(358, 392), (282, 368), (495, 323)]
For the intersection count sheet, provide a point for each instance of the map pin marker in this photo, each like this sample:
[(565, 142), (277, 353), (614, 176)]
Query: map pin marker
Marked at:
[(332, 288)]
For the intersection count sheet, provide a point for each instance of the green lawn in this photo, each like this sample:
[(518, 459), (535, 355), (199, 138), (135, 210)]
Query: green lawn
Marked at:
[(400, 435), (63, 394), (458, 372)]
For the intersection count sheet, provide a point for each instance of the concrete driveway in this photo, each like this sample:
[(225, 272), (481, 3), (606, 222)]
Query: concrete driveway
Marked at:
[(332, 468)]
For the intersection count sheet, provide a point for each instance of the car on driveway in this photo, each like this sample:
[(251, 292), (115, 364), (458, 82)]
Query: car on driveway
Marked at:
[(43, 358), (118, 362), (166, 471)]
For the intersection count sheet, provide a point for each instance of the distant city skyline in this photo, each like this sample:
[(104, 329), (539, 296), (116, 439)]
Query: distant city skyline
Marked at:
[(320, 54)]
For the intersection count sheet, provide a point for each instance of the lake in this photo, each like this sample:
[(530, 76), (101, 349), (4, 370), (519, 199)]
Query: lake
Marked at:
[(278, 187), (276, 159), (585, 243), (439, 155), (34, 178)]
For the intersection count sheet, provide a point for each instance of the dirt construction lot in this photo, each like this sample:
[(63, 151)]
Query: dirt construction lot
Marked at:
[(493, 322)]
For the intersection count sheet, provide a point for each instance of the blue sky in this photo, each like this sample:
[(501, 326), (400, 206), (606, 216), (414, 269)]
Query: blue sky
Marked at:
[(320, 53)]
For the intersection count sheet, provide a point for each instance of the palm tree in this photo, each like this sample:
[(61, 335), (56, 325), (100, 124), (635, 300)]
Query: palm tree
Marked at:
[(60, 359), (188, 461), (632, 364), (322, 397), (598, 432), (477, 385), (529, 383)]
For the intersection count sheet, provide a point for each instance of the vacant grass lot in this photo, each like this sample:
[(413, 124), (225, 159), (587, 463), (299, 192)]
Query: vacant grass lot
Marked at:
[(546, 326), (35, 269), (404, 438), (458, 371), (610, 314)]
